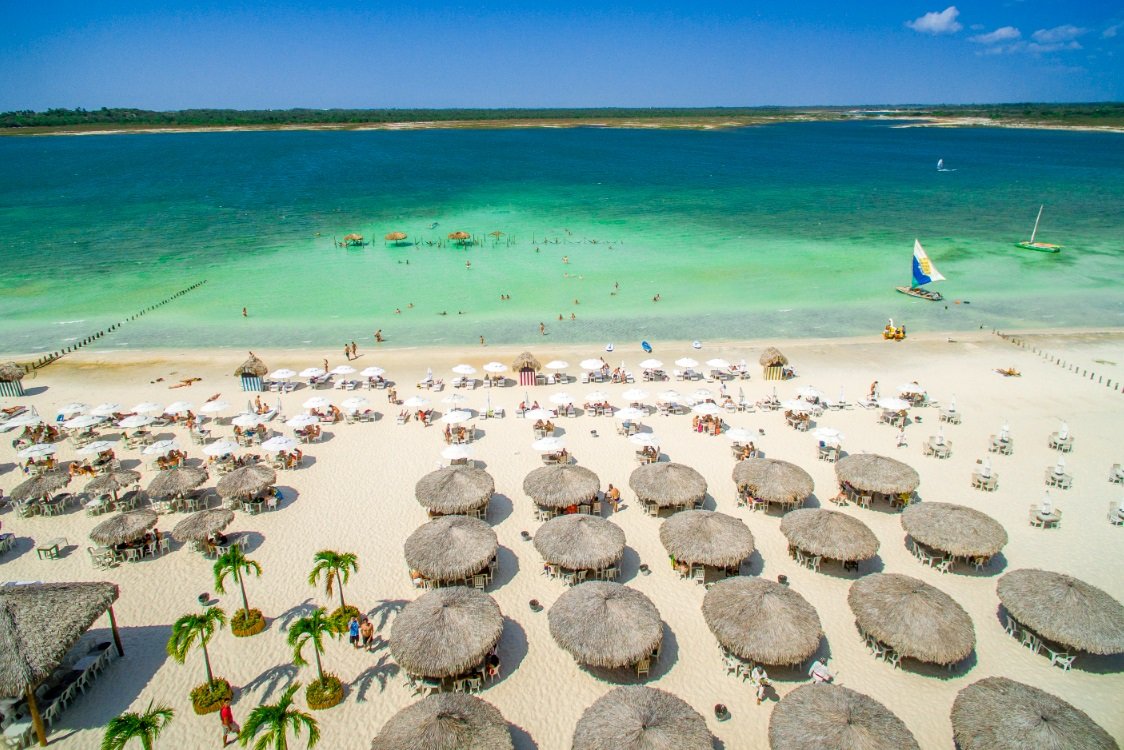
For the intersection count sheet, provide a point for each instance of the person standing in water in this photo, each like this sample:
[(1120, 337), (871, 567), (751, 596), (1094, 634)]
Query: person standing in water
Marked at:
[(542, 328), (244, 313)]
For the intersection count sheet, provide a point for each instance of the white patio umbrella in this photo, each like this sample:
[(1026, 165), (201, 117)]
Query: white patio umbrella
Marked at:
[(311, 372), (220, 447), (809, 392), (24, 420), (1047, 506), (646, 439), (108, 409), (37, 451), (718, 363), (1059, 467), (453, 452), (456, 416), (495, 367), (82, 421), (353, 404), (592, 364), (1063, 431), (73, 408), (635, 394), (796, 405), (464, 370), (94, 448), (940, 435), (147, 407), (558, 364), (137, 420), (596, 397), (829, 435), (283, 374), (549, 444), (906, 388), (651, 364), (178, 407), (214, 407), (686, 362), (454, 398), (561, 398), (740, 435), (985, 468), (670, 397), (629, 414), (893, 404), (246, 421), (316, 402), (343, 370), (302, 420), (1005, 432), (161, 447), (952, 403), (279, 443), (372, 372), (701, 394), (416, 402), (537, 414), (706, 408)]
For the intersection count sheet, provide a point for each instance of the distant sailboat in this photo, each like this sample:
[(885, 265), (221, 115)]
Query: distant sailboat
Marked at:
[(941, 167), (923, 272), (1042, 247)]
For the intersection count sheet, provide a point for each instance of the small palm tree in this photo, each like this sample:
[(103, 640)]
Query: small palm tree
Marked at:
[(337, 568), (191, 628), (146, 727), (235, 564), (275, 721), (312, 629)]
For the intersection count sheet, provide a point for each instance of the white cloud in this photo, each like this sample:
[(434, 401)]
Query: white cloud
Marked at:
[(1003, 34), (1055, 47), (1110, 32), (933, 22), (1058, 34)]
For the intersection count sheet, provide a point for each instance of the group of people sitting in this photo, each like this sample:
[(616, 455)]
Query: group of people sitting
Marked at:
[(523, 406), (312, 432), (561, 457), (172, 459), (258, 432), (649, 453), (892, 333), (43, 433), (91, 468), (602, 407), (707, 423), (547, 427), (793, 417), (333, 414), (44, 463), (748, 450), (290, 459), (459, 432)]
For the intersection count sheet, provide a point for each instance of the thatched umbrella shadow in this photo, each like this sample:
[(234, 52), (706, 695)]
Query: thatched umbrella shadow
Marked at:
[(521, 739), (629, 565), (507, 566), (511, 649), (500, 508)]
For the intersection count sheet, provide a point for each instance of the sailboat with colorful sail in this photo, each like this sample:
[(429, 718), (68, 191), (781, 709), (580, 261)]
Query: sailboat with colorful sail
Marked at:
[(1042, 247), (924, 272)]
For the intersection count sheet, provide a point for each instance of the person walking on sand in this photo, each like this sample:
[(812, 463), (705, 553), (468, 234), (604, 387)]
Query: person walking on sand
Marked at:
[(347, 352), (325, 365), (354, 350), (229, 726)]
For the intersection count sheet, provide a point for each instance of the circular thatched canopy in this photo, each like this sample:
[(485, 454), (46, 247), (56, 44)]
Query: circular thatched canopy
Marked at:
[(867, 471), (455, 489), (955, 529), (395, 236), (829, 533), (578, 541), (773, 481), (1000, 714), (814, 717), (124, 527), (445, 632), (173, 482), (561, 485), (201, 524), (706, 537), (525, 360), (606, 624), (641, 718), (10, 371), (915, 619), (1065, 610), (246, 481), (667, 484), (762, 620), (252, 366), (450, 547), (112, 482), (461, 235), (772, 357), (40, 486), (445, 721)]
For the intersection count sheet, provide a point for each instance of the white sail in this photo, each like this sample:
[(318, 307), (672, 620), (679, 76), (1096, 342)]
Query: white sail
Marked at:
[(923, 269), (940, 163), (1036, 220)]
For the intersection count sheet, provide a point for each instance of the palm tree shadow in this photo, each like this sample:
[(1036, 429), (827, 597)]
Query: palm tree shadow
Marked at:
[(381, 612), (279, 676), (297, 611), (380, 673)]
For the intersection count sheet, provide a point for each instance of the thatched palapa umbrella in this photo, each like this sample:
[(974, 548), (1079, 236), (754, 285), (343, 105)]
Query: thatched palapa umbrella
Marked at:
[(40, 486), (667, 484), (526, 361), (1064, 610), (10, 372), (445, 721), (641, 718), (176, 482), (772, 357), (868, 471), (915, 619), (707, 538), (246, 481), (450, 548), (580, 542), (1000, 714), (395, 237), (116, 480), (252, 366), (455, 489), (124, 527), (460, 236), (200, 525), (773, 481), (606, 624), (762, 621), (559, 486), (955, 529), (830, 534), (445, 632), (813, 717)]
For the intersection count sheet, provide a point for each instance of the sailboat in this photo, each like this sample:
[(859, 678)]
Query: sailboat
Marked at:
[(941, 167), (923, 272), (1042, 247)]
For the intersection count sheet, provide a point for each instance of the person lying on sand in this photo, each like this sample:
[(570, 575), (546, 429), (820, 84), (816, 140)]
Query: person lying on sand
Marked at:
[(1009, 372), (185, 383)]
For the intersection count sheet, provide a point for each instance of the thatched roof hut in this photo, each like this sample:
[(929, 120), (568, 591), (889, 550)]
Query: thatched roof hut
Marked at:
[(1000, 714), (252, 366), (40, 486), (813, 717), (202, 524), (868, 471), (1064, 610), (449, 548), (247, 481), (829, 533), (667, 484), (174, 482), (915, 619), (395, 236), (605, 624), (762, 620), (580, 542), (11, 372), (561, 485), (641, 718), (773, 481), (115, 480), (124, 527), (459, 235), (445, 632), (524, 361), (706, 537), (955, 529), (455, 489), (445, 721), (772, 357), (39, 622)]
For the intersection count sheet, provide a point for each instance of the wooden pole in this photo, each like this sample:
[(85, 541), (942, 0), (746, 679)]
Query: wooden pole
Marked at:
[(116, 635), (36, 719)]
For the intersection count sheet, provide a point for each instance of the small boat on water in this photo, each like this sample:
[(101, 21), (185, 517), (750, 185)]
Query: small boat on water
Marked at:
[(1042, 247), (924, 272), (941, 167)]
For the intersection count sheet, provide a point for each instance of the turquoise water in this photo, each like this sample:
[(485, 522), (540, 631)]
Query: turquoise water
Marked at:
[(787, 230)]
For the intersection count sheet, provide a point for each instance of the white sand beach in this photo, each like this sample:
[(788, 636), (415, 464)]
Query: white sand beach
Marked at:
[(356, 494)]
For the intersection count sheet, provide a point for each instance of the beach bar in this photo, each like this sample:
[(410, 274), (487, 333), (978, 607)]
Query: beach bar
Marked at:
[(251, 372), (11, 376)]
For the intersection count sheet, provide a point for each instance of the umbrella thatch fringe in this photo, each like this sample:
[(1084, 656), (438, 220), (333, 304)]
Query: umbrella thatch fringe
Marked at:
[(246, 480), (762, 620), (666, 484), (561, 485), (707, 537), (915, 619), (446, 721), (10, 372), (868, 471), (450, 547), (40, 486), (772, 357), (956, 529), (641, 718), (445, 632), (172, 482), (526, 359), (124, 527), (814, 717), (202, 524), (579, 541), (605, 624), (1064, 610), (111, 482), (252, 366), (773, 481), (829, 533), (455, 489)]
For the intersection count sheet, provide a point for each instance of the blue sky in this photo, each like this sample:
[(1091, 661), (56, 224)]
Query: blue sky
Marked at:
[(163, 54)]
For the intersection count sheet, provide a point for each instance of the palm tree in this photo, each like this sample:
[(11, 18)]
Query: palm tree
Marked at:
[(312, 629), (235, 564), (337, 568), (146, 727), (191, 628), (275, 721)]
